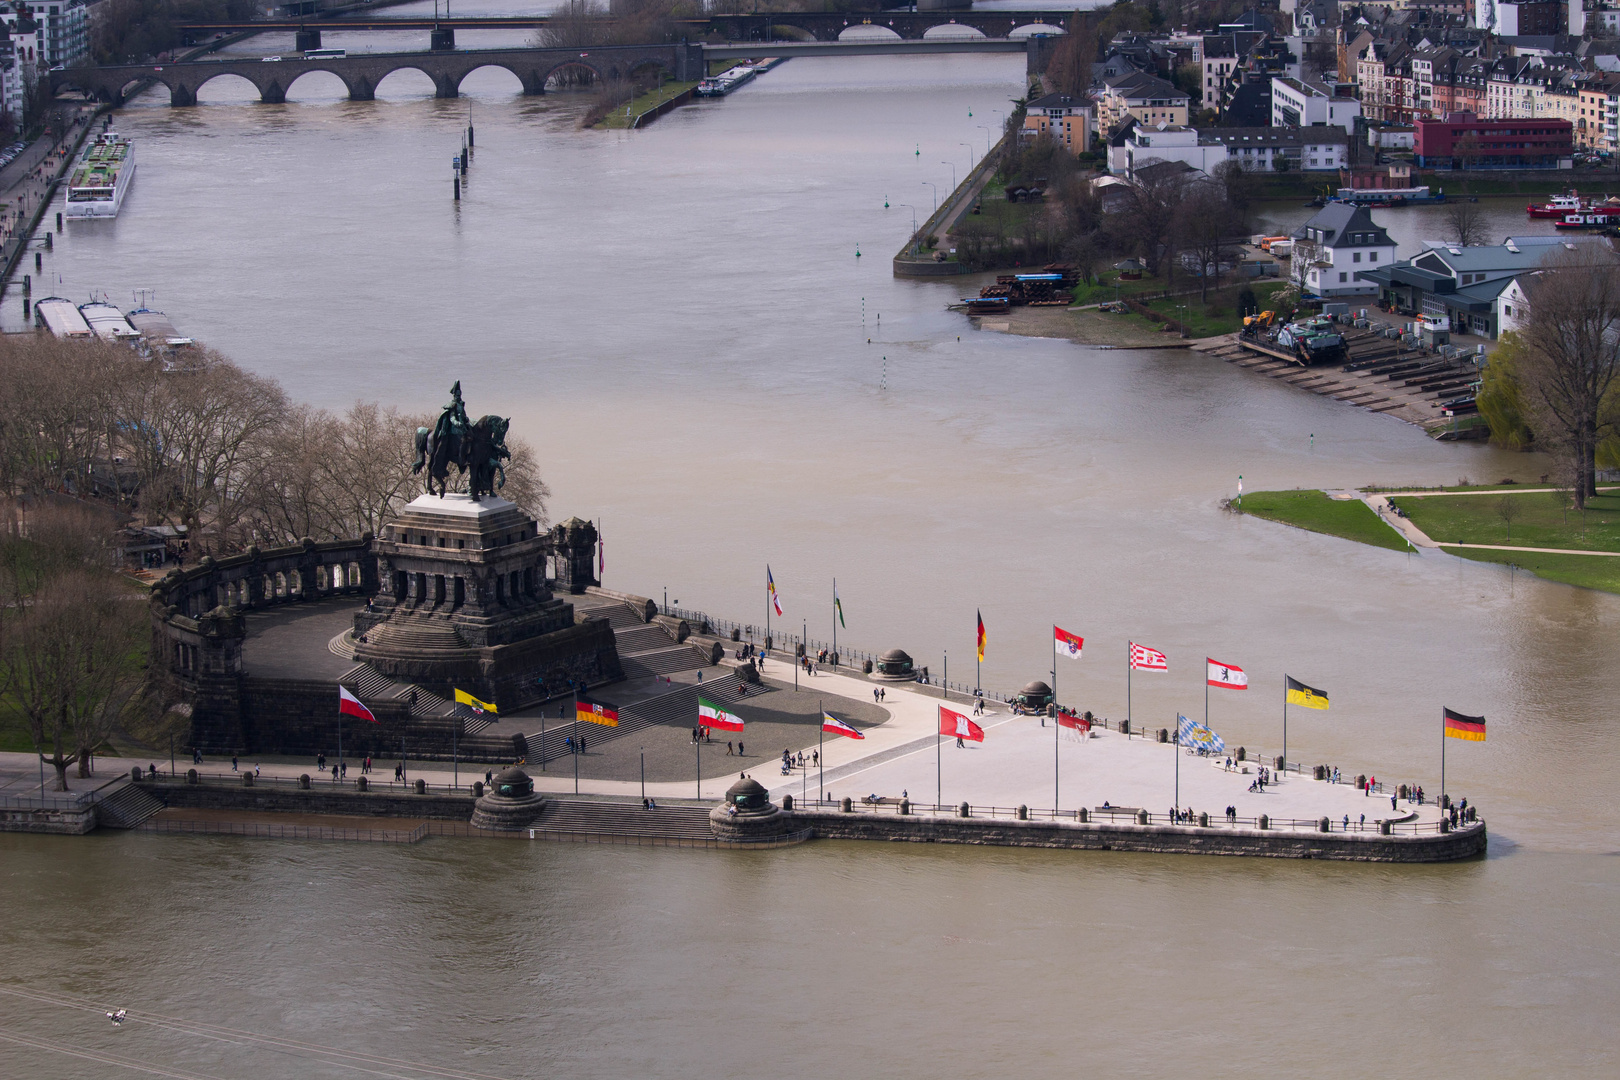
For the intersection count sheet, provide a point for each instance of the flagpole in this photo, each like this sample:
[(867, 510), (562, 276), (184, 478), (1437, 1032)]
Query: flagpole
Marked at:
[(1177, 745), (1442, 758), (455, 755), (576, 746), (835, 616), (1285, 725), (542, 738), (698, 731), (340, 741), (1056, 777), (1127, 687), (821, 755), (767, 609), (939, 769)]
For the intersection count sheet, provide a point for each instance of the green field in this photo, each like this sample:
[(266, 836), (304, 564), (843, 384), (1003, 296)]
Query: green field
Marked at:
[(1540, 520), (1588, 571), (620, 117), (1350, 519)]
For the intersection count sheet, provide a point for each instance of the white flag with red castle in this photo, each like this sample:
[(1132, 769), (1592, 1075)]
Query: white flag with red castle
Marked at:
[(1227, 675), (954, 725), (349, 705), (1067, 644), (1146, 659)]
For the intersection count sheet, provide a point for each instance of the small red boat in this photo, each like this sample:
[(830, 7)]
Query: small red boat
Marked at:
[(1559, 205)]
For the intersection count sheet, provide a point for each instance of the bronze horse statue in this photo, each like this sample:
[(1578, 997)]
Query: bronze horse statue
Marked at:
[(477, 450)]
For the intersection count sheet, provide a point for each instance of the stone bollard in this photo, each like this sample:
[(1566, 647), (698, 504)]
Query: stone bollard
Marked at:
[(848, 805), (135, 773), (1445, 825), (1164, 735), (303, 782), (421, 787), (905, 807), (1445, 802), (1279, 764), (478, 789), (1402, 792), (1141, 817), (964, 811), (1203, 819), (1023, 811), (192, 777), (1242, 754), (247, 779), (1384, 828), (1325, 825), (1124, 727), (1361, 781), (867, 667), (1082, 815), (362, 783), (1264, 822), (1318, 772), (787, 802)]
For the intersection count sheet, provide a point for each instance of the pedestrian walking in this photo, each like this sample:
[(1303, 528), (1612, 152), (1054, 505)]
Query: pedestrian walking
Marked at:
[(729, 750), (739, 748), (233, 763)]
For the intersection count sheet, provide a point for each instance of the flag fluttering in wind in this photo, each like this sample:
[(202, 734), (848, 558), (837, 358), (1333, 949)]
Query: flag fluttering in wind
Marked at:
[(954, 725), (712, 715), (1067, 644), (981, 638), (1074, 728), (1198, 736), (835, 726), (349, 705), (594, 712), (1146, 659), (464, 698), (1300, 694), (770, 589), (838, 606), (601, 552), (1459, 726), (1219, 674)]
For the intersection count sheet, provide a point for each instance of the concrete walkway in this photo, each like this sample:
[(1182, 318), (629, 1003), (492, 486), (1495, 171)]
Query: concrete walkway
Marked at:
[(1380, 506)]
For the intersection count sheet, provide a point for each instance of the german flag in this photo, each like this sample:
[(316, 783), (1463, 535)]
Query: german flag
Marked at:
[(981, 633), (1300, 694), (594, 712), (1459, 726)]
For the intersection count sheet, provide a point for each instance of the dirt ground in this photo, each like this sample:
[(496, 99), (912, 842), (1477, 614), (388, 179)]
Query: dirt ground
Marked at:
[(1085, 327)]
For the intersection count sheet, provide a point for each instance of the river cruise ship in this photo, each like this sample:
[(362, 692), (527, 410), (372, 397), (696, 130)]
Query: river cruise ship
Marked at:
[(99, 182)]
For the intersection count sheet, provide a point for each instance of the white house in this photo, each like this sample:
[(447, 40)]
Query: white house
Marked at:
[(1334, 247), (1168, 142), (1307, 149), (1303, 104), (1511, 303)]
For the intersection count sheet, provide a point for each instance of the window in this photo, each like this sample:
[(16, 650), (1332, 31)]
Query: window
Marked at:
[(1357, 257), (1507, 309), (1372, 256), (1343, 276)]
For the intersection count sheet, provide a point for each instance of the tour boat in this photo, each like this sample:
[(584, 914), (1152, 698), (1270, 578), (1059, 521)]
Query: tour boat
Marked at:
[(1593, 218), (61, 317), (1559, 205), (100, 181), (107, 322)]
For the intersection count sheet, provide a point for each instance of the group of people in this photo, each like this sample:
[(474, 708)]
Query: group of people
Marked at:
[(791, 761), (1258, 784), (879, 693), (738, 751)]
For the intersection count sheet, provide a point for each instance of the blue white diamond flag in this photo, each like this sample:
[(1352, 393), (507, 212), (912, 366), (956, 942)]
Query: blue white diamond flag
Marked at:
[(1196, 735)]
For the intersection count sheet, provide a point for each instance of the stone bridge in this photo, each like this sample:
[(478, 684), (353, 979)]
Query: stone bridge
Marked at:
[(907, 25), (363, 71)]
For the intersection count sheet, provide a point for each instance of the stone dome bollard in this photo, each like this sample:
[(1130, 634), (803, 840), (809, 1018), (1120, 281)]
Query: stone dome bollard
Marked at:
[(787, 802), (478, 789), (1325, 825), (866, 668), (1241, 755), (135, 773), (1141, 817), (1203, 819), (848, 805), (1445, 802), (1361, 781), (1082, 815), (247, 779), (192, 777), (1164, 735), (1023, 812), (1264, 822), (964, 811), (905, 807), (1445, 825), (362, 783), (421, 787), (304, 782)]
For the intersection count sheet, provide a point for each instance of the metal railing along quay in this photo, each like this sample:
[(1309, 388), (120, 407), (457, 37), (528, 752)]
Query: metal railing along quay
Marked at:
[(272, 831)]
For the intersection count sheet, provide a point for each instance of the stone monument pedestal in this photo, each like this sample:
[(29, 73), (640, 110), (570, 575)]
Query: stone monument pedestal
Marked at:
[(748, 814), (512, 803)]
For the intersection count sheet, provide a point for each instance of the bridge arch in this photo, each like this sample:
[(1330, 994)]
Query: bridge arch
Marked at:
[(789, 33), (406, 86), (1035, 29), (868, 32), (571, 73), (953, 32), (487, 78), (321, 88), (227, 91)]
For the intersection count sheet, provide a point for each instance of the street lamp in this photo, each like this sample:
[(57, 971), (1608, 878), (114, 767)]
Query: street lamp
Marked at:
[(970, 154), (913, 210), (952, 164), (930, 184), (986, 129)]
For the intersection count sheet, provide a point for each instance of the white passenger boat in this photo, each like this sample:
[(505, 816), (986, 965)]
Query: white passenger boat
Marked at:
[(100, 180), (61, 317), (108, 323)]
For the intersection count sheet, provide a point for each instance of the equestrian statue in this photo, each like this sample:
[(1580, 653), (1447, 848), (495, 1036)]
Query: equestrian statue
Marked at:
[(476, 449)]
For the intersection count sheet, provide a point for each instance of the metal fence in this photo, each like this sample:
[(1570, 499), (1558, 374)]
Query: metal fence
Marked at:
[(72, 800), (284, 832), (322, 782)]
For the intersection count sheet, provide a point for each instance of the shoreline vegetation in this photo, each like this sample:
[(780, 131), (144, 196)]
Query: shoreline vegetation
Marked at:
[(1507, 523)]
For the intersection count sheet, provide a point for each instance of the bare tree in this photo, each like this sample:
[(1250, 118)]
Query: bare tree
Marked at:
[(1508, 509), (1205, 224), (1571, 361), (1149, 217), (1466, 222)]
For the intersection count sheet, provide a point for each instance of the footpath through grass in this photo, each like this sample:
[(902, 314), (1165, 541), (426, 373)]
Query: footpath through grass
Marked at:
[(1588, 571), (1350, 519), (1527, 519)]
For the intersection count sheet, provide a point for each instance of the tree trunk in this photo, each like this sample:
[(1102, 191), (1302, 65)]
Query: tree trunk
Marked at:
[(61, 773)]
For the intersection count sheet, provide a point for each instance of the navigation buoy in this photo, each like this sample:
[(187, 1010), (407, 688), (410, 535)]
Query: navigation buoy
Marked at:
[(885, 202), (857, 251), (919, 149)]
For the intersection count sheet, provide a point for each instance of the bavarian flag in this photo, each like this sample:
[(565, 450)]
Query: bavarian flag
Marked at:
[(1459, 726), (712, 715), (1300, 694), (594, 712), (464, 698)]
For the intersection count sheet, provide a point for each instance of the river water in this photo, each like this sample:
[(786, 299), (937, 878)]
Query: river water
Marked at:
[(678, 320)]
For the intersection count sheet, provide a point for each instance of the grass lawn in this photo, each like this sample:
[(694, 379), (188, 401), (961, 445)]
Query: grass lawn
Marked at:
[(1587, 571), (618, 118), (1218, 315), (1540, 522), (1351, 519)]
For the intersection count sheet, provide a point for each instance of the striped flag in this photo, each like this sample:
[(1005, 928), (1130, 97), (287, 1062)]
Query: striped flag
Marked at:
[(835, 726), (838, 606), (1196, 735), (594, 712), (1227, 675), (349, 705), (1146, 659), (981, 633), (1459, 726), (464, 698), (770, 589), (712, 715), (1297, 693)]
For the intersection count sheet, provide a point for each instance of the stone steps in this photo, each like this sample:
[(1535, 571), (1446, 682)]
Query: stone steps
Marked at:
[(126, 808), (677, 707), (642, 638)]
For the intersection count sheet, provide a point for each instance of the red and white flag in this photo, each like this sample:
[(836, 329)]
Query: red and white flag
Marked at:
[(1146, 659), (831, 723), (956, 726), (1067, 644), (349, 705), (1233, 678)]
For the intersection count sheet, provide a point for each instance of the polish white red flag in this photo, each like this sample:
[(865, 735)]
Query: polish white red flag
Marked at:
[(1146, 659), (956, 726), (349, 705), (831, 723), (1067, 644), (1233, 678)]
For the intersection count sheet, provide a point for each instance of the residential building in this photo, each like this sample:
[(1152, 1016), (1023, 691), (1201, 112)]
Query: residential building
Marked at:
[(13, 96), (1529, 18), (1061, 117), (1304, 103), (1166, 143), (1597, 124), (1306, 149), (1468, 289), (1150, 100), (1462, 140), (1219, 60), (61, 31), (1336, 247)]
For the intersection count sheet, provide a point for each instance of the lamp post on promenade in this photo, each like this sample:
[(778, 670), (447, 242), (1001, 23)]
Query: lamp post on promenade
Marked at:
[(970, 153), (930, 185), (913, 210), (952, 164)]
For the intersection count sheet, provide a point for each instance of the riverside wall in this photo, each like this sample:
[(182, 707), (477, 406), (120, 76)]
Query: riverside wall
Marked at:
[(333, 800), (1462, 843), (74, 822)]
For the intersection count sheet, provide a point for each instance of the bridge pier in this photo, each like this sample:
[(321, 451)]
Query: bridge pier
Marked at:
[(1038, 52), (446, 86), (305, 40), (534, 83), (443, 39), (362, 90), (180, 95), (272, 94)]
